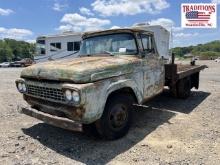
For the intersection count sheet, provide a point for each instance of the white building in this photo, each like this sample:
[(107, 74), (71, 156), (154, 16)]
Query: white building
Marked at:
[(53, 47)]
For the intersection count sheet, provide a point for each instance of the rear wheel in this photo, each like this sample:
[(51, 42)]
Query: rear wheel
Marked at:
[(116, 119), (184, 88)]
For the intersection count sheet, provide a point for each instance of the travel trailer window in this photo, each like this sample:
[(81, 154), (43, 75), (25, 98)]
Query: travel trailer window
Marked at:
[(73, 46), (69, 46), (77, 46), (55, 46), (40, 47)]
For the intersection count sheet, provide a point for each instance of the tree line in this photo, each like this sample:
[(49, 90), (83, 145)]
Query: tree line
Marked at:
[(210, 49), (12, 50)]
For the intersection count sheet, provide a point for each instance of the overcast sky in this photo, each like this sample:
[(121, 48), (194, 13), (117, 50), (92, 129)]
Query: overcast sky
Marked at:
[(27, 19)]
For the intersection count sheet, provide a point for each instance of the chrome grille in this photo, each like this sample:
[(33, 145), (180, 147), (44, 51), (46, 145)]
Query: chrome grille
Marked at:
[(45, 92)]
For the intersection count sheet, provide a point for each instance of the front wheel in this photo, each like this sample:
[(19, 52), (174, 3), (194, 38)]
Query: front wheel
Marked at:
[(116, 118)]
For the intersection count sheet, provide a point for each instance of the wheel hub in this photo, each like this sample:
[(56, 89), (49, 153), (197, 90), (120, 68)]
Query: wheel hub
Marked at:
[(118, 116)]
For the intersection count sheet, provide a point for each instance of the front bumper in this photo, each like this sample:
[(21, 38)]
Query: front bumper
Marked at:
[(51, 119), (56, 109)]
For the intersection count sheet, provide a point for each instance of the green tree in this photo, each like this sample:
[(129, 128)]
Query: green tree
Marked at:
[(210, 49), (11, 49), (6, 53)]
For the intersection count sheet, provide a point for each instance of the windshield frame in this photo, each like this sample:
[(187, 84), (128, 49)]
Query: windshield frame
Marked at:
[(113, 33)]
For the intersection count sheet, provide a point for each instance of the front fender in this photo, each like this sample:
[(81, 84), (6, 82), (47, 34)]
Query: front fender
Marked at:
[(97, 96), (127, 83)]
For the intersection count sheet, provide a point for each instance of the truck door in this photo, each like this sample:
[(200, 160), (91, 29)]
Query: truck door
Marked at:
[(153, 67)]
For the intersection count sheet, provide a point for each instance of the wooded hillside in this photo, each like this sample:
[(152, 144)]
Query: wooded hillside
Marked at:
[(210, 49), (11, 50)]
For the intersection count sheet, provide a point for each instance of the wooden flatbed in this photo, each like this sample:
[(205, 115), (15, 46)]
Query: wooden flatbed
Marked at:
[(187, 70), (182, 78)]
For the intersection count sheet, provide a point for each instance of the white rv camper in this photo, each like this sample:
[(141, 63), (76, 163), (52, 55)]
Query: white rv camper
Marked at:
[(54, 47)]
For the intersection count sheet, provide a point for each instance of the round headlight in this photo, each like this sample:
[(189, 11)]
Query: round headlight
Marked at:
[(20, 86), (68, 95), (76, 96), (24, 87)]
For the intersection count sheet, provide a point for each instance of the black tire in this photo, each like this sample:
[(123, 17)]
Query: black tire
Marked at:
[(184, 88), (116, 118), (90, 130)]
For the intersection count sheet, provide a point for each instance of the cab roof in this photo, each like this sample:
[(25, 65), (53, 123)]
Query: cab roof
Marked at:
[(112, 31)]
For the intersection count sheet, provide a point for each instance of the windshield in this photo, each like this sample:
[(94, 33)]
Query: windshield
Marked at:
[(112, 44)]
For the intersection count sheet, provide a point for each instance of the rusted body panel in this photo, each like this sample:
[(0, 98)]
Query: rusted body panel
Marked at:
[(96, 77), (53, 120), (83, 70)]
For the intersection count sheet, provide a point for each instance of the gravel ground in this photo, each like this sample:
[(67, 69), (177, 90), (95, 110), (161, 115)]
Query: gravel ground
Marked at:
[(165, 131)]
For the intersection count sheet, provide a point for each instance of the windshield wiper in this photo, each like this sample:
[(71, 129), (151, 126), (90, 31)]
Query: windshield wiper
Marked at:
[(97, 54), (107, 52), (83, 55)]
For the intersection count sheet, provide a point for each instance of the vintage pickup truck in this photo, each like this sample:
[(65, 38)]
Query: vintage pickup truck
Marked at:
[(115, 70)]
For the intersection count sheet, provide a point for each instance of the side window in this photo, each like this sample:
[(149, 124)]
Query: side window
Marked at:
[(69, 46), (139, 41), (55, 46), (77, 46), (73, 46), (58, 45), (147, 42), (42, 51)]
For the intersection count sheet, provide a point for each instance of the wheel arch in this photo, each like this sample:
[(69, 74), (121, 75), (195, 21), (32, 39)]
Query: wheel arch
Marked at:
[(124, 87), (119, 87)]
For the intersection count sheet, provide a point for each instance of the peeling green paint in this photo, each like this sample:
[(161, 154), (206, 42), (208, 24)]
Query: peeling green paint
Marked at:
[(82, 70), (96, 77)]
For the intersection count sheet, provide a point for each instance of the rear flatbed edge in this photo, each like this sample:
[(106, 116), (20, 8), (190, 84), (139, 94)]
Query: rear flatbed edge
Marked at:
[(188, 72)]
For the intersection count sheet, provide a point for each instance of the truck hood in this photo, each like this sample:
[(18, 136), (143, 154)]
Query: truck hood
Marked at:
[(82, 69)]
